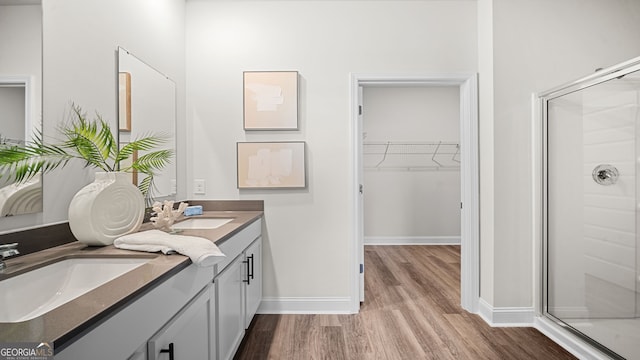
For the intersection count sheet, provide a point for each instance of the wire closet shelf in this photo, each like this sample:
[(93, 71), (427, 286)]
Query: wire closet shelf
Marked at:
[(5, 141), (411, 156)]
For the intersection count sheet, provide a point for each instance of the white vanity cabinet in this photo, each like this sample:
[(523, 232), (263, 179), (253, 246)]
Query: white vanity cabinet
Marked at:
[(238, 285), (125, 334), (198, 313), (186, 336)]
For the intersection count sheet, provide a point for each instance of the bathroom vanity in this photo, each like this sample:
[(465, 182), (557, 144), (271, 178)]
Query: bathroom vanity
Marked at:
[(166, 308)]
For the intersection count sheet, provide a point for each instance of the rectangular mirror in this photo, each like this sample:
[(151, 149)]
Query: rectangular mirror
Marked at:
[(20, 95), (147, 104)]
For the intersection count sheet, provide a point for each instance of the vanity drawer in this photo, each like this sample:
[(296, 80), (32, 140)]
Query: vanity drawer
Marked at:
[(234, 246)]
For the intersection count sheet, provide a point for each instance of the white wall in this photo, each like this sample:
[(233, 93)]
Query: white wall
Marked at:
[(22, 50), (308, 232), (422, 200), (537, 45), (80, 52)]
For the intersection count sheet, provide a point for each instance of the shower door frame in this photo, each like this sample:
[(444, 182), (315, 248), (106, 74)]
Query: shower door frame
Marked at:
[(541, 199)]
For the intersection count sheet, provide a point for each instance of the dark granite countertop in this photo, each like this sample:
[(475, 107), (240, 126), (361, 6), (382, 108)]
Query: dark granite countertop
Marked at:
[(67, 322)]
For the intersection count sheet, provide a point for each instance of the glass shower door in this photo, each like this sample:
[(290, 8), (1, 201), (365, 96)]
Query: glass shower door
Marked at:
[(592, 212)]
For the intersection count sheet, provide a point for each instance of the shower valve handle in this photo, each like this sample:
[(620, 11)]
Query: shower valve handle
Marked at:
[(605, 174)]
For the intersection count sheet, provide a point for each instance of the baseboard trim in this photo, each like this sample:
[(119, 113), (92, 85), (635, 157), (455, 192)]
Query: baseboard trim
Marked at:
[(506, 316), (304, 305), (412, 240), (527, 317)]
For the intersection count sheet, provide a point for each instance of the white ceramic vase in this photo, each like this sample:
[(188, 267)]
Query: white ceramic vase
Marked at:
[(106, 209)]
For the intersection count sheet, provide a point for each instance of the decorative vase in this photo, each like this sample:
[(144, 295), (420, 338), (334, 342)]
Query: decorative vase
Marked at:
[(106, 209)]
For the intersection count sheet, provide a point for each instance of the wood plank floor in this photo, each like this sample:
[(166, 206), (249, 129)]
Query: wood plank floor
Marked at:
[(411, 311)]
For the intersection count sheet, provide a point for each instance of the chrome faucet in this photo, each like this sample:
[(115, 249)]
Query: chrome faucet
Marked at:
[(6, 251)]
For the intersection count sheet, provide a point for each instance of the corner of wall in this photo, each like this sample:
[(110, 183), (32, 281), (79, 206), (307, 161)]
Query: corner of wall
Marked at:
[(485, 130), (506, 316)]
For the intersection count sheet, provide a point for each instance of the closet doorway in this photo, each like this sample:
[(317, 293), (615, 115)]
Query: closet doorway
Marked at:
[(398, 145), (411, 160)]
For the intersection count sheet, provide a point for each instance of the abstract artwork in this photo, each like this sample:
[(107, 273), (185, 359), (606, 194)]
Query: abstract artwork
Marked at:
[(270, 100), (271, 165)]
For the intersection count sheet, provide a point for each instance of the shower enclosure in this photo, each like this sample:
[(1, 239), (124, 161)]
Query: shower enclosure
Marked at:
[(591, 276)]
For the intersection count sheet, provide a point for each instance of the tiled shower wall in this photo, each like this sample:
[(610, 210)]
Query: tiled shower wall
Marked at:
[(610, 136)]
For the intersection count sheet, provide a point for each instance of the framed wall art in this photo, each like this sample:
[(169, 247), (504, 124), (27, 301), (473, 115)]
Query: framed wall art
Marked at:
[(270, 100), (265, 165), (124, 101), (127, 163)]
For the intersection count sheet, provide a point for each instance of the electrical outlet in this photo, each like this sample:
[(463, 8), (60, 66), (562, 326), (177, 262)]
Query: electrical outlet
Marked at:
[(174, 186), (198, 187)]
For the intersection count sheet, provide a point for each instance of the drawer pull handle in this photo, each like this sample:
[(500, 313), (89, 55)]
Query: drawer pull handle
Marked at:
[(170, 351), (248, 279), (251, 273)]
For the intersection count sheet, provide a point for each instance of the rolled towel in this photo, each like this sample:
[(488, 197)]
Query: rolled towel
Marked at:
[(203, 252)]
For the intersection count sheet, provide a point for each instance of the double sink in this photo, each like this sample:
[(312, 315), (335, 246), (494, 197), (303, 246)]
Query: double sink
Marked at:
[(41, 289)]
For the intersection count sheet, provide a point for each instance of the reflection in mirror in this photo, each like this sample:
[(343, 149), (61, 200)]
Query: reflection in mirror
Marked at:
[(147, 104), (20, 100)]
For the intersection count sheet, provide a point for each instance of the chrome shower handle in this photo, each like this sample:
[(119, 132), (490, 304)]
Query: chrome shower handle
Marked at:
[(605, 174)]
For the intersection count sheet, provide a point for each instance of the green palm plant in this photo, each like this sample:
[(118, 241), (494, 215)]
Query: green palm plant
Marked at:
[(90, 141)]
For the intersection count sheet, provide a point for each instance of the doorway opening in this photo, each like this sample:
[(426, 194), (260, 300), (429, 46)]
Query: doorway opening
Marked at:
[(468, 160), (411, 159)]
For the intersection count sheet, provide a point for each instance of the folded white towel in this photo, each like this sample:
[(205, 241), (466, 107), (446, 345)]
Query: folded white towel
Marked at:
[(202, 252)]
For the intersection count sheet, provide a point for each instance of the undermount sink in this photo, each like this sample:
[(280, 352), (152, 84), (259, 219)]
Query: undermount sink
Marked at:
[(201, 223), (34, 293)]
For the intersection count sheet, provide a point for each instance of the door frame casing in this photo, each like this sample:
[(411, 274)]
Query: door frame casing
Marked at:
[(469, 176), (26, 82)]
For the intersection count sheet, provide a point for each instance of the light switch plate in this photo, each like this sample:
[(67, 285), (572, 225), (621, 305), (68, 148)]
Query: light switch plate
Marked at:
[(199, 187)]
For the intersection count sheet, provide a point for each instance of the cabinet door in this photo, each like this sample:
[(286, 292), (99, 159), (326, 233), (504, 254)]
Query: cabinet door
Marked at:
[(253, 258), (188, 333), (230, 308)]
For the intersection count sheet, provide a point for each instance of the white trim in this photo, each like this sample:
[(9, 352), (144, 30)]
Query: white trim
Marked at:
[(360, 205), (526, 317), (304, 305), (567, 340), (412, 240), (470, 195), (26, 82), (355, 181), (469, 176), (506, 316), (536, 201)]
